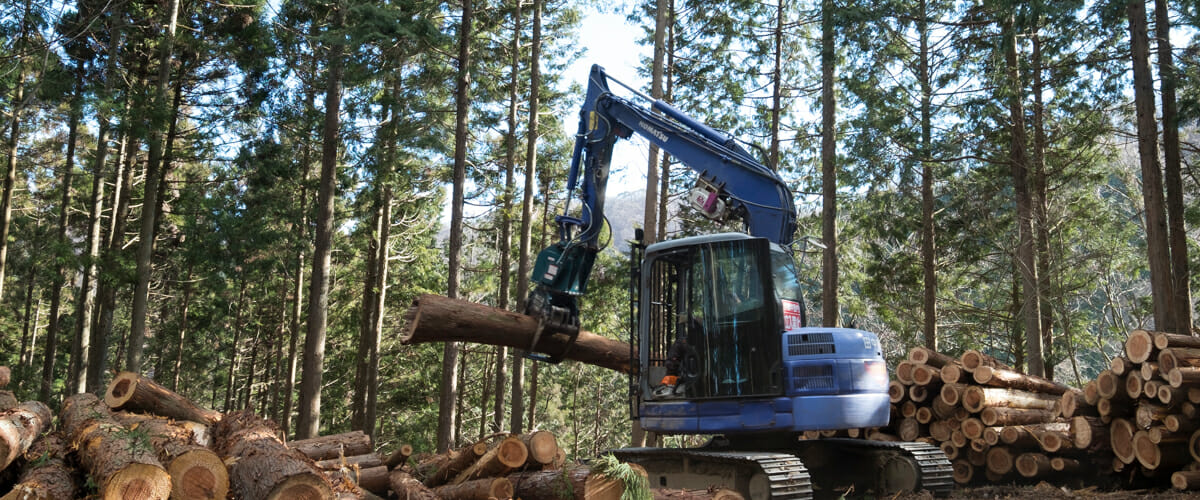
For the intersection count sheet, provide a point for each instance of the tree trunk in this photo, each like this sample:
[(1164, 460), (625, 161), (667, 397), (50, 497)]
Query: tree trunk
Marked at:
[(996, 377), (121, 465), (928, 229), (309, 424), (358, 406), (650, 208), (77, 378), (262, 466), (1041, 209), (1019, 164), (830, 313), (14, 142), (1172, 175), (579, 481), (376, 337), (1157, 247), (183, 327), (447, 402), (132, 392), (506, 207), (234, 347), (145, 254)]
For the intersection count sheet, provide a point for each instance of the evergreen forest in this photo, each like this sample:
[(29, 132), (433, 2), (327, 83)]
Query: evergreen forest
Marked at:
[(242, 199)]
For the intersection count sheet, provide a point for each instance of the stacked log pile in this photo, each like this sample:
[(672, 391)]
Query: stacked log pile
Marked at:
[(1138, 421), (143, 441)]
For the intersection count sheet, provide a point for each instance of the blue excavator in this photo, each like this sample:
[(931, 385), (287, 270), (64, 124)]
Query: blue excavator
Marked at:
[(718, 325)]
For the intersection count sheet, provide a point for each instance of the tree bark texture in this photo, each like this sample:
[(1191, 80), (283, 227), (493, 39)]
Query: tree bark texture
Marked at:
[(264, 467), (334, 445), (122, 466), (46, 474), (830, 313), (441, 319), (20, 427), (1172, 172)]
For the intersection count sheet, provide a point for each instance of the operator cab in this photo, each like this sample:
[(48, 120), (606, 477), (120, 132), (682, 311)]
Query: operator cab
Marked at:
[(723, 346)]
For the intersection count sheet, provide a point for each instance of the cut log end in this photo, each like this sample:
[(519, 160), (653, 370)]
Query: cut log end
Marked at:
[(301, 487), (1140, 346), (138, 482), (199, 475)]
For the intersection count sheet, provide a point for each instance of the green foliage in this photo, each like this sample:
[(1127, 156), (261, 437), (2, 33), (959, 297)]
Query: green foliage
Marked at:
[(637, 487)]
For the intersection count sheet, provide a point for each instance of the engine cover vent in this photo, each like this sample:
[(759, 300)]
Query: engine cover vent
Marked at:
[(810, 344)]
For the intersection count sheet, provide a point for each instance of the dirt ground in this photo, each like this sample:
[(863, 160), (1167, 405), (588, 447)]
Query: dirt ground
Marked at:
[(1049, 491)]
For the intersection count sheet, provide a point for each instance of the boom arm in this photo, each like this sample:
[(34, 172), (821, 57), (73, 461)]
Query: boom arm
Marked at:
[(730, 183)]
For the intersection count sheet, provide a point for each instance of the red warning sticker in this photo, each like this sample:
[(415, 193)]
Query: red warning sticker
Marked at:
[(792, 315)]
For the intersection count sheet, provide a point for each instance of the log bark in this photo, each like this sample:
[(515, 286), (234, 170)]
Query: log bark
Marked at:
[(399, 457), (1000, 460), (440, 319), (477, 489), (1170, 396), (1015, 416), (121, 465), (132, 392), (372, 479), (542, 447), (926, 356), (998, 377), (20, 427), (1160, 435), (1139, 347), (5, 376), (1064, 464), (1089, 433), (972, 360), (196, 472), (46, 475), (264, 467), (407, 487), (501, 458), (952, 373), (360, 461), (580, 482), (1182, 376), (976, 398), (441, 468), (1179, 423), (332, 446), (1033, 465), (1176, 357), (1186, 480), (1163, 340)]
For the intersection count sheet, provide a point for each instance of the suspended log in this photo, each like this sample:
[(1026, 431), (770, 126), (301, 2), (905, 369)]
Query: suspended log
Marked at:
[(925, 356), (951, 394), (1186, 480), (1000, 460), (399, 457), (1073, 403), (333, 446), (1089, 432), (46, 475), (997, 377), (579, 483), (196, 472), (501, 458), (262, 466), (132, 392), (926, 375), (1153, 456), (1177, 357), (1139, 347), (972, 360), (1033, 465), (962, 471), (120, 464), (434, 318), (1120, 365), (477, 489), (952, 373), (976, 398), (19, 428), (1120, 435), (904, 371), (360, 461), (408, 487), (995, 416), (440, 469)]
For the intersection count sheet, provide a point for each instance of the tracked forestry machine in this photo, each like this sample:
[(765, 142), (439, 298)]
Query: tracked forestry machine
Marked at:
[(718, 326)]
